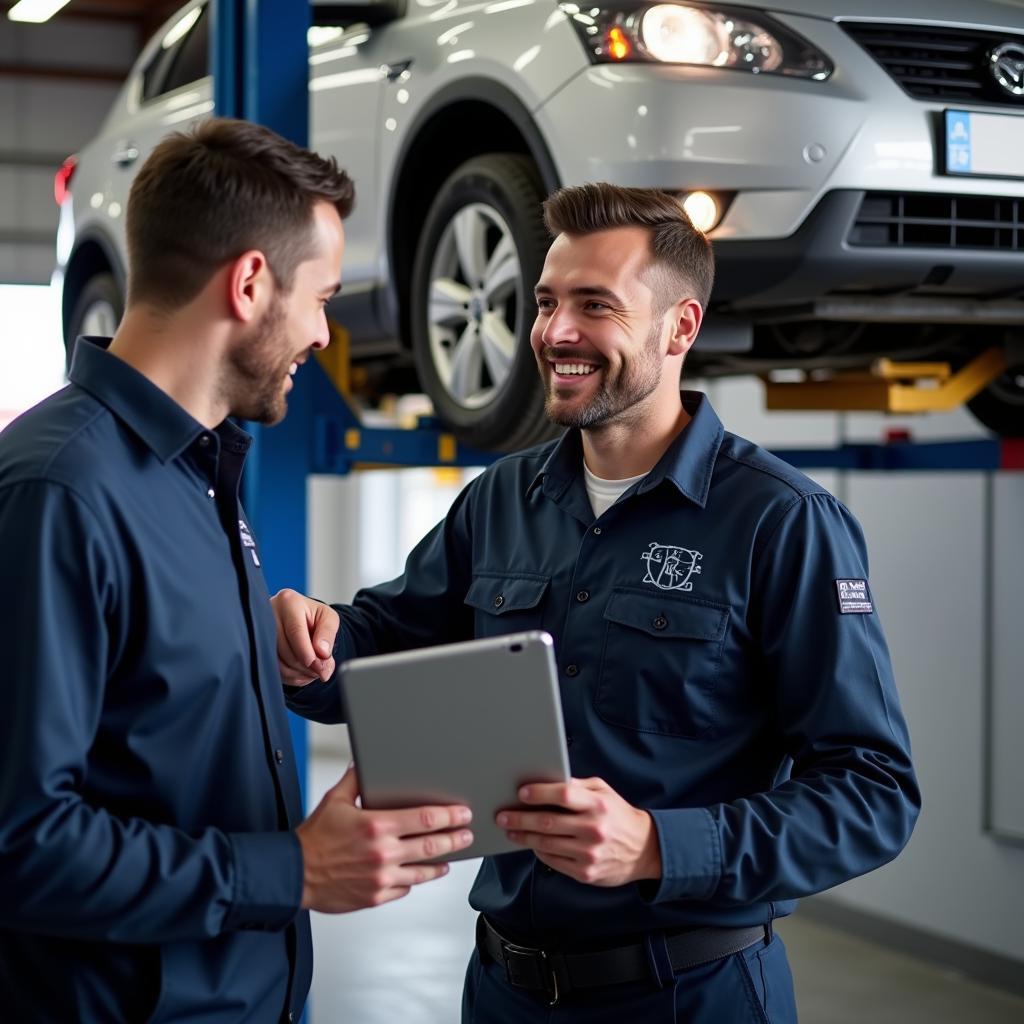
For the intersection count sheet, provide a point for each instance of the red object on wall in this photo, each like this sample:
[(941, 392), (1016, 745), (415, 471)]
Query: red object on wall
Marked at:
[(1011, 453)]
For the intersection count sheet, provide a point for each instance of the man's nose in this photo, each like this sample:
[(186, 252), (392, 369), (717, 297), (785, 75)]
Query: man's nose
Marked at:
[(323, 333), (561, 328)]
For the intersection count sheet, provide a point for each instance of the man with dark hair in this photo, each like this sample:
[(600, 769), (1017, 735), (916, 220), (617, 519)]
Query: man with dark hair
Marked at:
[(153, 861), (734, 732)]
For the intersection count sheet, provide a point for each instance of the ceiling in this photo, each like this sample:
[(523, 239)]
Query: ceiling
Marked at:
[(145, 16), (148, 15)]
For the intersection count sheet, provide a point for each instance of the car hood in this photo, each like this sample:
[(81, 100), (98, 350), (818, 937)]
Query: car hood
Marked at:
[(983, 14)]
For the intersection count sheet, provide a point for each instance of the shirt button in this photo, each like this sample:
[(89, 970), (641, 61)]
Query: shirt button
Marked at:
[(597, 531), (583, 595), (211, 493), (660, 622), (572, 670), (568, 739), (291, 1016), (279, 756), (499, 601), (204, 441)]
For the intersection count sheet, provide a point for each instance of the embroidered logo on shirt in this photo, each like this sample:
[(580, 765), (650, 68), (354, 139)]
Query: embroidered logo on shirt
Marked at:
[(854, 597), (248, 542), (670, 567)]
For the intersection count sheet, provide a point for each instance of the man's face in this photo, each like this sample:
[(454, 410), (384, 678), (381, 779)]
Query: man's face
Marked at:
[(294, 324), (597, 341)]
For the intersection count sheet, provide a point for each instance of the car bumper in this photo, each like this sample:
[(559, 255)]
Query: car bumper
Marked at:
[(779, 143)]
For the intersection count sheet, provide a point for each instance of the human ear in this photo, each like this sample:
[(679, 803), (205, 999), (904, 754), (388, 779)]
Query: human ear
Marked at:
[(247, 281), (685, 319)]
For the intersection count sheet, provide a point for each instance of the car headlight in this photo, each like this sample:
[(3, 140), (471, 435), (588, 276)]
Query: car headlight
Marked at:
[(682, 33)]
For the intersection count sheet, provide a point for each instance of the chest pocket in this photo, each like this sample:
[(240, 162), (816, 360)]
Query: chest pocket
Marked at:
[(507, 602), (659, 665)]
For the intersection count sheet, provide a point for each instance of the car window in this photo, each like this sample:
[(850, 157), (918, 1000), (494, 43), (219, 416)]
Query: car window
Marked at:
[(192, 60), (184, 61)]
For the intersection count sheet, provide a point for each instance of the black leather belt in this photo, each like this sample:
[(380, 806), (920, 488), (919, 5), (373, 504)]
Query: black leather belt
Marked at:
[(556, 973)]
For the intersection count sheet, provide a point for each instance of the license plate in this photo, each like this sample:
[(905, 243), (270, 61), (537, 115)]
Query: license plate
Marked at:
[(984, 144)]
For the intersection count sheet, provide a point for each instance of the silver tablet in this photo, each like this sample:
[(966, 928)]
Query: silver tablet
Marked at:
[(463, 723)]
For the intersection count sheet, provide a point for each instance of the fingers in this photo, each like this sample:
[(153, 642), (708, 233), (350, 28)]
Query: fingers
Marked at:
[(560, 848), (347, 787), (544, 822), (306, 631), (406, 837), (438, 844), (404, 878), (324, 632), (414, 821), (325, 629), (574, 795), (292, 672)]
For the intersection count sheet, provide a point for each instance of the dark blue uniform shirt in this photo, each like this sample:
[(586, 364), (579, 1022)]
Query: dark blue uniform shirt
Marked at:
[(147, 786), (707, 672)]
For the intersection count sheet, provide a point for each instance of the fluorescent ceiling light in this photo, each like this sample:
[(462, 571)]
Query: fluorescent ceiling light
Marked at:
[(35, 10)]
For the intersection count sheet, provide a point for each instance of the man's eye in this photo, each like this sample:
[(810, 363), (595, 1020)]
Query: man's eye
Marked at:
[(594, 304)]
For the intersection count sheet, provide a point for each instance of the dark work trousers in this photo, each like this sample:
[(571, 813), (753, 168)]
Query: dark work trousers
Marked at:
[(751, 987)]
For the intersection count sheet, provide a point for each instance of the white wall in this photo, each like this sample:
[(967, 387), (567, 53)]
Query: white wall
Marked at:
[(42, 121), (931, 576)]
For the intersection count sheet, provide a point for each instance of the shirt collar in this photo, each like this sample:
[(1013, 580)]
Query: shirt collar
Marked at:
[(688, 462), (162, 425)]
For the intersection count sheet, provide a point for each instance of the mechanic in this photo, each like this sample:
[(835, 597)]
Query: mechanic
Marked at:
[(734, 731), (153, 860)]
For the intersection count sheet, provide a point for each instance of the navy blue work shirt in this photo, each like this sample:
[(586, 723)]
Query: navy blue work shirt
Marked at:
[(709, 673), (147, 785)]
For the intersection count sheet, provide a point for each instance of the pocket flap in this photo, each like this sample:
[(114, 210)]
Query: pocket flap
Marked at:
[(659, 615), (500, 594)]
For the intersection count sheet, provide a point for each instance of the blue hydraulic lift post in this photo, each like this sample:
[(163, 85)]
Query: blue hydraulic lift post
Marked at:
[(260, 61)]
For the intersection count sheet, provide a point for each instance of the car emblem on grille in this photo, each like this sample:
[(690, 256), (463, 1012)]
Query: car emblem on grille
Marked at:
[(1007, 65)]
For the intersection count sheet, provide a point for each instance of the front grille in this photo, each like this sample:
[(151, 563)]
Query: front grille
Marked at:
[(926, 220), (939, 63)]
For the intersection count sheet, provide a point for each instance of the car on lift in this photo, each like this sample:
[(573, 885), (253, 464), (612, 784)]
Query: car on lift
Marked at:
[(856, 166)]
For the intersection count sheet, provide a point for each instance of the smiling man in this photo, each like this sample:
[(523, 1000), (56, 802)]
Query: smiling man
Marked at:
[(154, 864), (734, 732)]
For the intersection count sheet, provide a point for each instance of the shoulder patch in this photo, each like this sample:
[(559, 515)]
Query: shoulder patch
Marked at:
[(854, 597)]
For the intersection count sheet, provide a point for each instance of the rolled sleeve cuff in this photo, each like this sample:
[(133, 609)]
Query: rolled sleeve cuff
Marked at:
[(268, 880), (691, 855)]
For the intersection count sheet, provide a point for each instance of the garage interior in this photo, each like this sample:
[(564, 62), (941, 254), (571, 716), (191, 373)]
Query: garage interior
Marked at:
[(938, 935)]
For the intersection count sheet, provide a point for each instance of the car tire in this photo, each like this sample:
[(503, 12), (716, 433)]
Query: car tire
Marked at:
[(478, 257), (97, 311), (1000, 407)]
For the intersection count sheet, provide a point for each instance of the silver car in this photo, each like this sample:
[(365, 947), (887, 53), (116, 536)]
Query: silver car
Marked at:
[(858, 166)]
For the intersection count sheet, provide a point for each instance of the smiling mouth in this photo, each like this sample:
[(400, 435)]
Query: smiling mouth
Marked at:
[(573, 369)]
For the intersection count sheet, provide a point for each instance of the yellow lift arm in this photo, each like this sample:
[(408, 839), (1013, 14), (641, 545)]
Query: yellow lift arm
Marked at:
[(891, 386)]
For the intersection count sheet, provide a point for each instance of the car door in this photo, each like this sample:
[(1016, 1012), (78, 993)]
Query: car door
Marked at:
[(347, 72)]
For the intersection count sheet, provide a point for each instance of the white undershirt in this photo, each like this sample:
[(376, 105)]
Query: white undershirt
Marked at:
[(604, 493)]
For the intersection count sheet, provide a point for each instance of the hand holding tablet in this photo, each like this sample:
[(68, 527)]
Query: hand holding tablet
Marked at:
[(466, 723)]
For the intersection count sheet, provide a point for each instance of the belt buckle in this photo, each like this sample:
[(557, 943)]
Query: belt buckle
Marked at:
[(512, 954)]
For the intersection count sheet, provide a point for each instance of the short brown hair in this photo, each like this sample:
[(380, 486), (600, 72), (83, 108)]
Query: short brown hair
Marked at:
[(680, 254), (204, 197)]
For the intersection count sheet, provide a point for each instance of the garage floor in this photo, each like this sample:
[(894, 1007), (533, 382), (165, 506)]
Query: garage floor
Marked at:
[(405, 962)]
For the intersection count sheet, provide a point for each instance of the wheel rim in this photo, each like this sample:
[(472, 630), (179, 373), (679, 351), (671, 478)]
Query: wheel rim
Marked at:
[(473, 306), (100, 319)]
